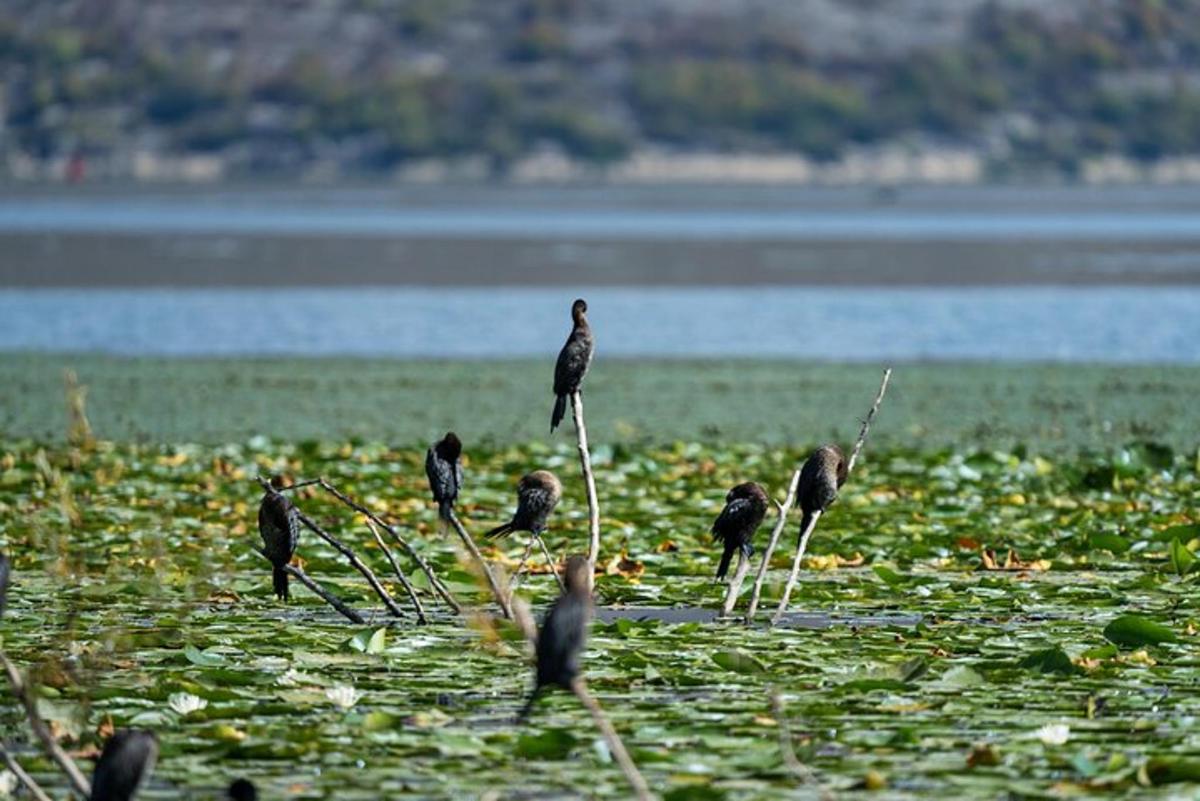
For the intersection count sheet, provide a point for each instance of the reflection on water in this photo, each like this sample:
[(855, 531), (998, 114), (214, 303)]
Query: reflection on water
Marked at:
[(1102, 324)]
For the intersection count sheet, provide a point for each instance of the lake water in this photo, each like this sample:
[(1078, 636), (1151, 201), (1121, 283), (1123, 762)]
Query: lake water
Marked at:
[(1093, 324)]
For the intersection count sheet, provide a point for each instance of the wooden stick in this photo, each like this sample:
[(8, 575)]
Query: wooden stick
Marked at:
[(735, 584), (322, 593), (585, 461), (802, 545), (780, 522), (473, 549), (637, 783), (31, 785), (354, 561), (552, 563), (516, 579), (78, 781), (441, 589), (408, 588), (801, 771)]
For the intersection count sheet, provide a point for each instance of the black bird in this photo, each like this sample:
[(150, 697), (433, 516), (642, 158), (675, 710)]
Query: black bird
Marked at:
[(820, 479), (242, 790), (445, 473), (561, 641), (573, 362), (124, 765), (279, 525), (537, 495), (745, 507), (4, 572)]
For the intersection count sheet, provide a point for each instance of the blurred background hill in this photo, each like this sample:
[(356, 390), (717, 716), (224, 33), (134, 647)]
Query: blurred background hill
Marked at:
[(835, 91)]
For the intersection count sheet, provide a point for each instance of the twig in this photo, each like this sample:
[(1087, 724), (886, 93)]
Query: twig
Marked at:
[(585, 461), (802, 545), (637, 783), (31, 785), (803, 772), (78, 781), (290, 487), (434, 581), (552, 563), (408, 588), (735, 584), (516, 579), (473, 549), (324, 594), (780, 522)]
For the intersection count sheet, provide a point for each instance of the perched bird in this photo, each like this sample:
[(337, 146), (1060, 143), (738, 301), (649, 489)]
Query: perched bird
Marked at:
[(242, 790), (279, 525), (820, 479), (124, 765), (537, 495), (445, 472), (573, 362), (745, 507), (563, 635), (4, 572)]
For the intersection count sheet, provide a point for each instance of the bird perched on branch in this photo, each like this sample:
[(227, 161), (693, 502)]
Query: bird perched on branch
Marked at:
[(445, 472), (561, 641), (820, 479), (573, 362), (537, 495), (124, 766), (4, 573), (745, 507), (279, 526)]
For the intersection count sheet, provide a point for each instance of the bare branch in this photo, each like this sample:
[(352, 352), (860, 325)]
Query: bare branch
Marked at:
[(780, 522), (585, 461), (354, 561), (473, 549), (31, 785), (637, 783), (735, 584), (552, 564), (315, 588), (866, 426), (21, 690), (801, 771), (516, 579), (408, 588)]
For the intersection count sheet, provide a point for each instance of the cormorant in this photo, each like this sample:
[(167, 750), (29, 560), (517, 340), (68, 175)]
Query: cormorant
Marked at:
[(4, 572), (573, 362), (537, 495), (445, 472), (279, 525), (124, 765), (242, 790), (745, 507), (820, 479), (563, 635)]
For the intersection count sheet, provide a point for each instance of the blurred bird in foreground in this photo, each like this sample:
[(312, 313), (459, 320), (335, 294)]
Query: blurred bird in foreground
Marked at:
[(745, 507), (563, 635), (279, 525), (124, 766), (820, 479), (4, 573), (242, 790), (573, 362), (445, 473)]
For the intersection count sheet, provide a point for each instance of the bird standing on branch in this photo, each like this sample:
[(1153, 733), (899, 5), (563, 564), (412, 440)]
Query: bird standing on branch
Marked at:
[(124, 766), (745, 507), (561, 641), (279, 525), (537, 495), (4, 572), (445, 473), (573, 362), (820, 479)]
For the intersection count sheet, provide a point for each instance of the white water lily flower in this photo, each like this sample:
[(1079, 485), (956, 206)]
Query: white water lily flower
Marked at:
[(343, 696), (8, 783), (186, 703), (1054, 734)]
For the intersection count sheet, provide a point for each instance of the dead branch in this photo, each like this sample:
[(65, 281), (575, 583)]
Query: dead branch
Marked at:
[(637, 783), (801, 771), (585, 461), (322, 593), (31, 785), (552, 564), (735, 584), (473, 549), (780, 522), (408, 588), (24, 694)]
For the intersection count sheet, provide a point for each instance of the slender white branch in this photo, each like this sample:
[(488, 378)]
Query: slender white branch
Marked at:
[(516, 579), (408, 588), (801, 771), (735, 584), (24, 694), (780, 522), (637, 783), (866, 426), (585, 461), (552, 564), (801, 547), (316, 589), (473, 549)]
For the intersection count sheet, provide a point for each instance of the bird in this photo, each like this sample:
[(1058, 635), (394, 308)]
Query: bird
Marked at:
[(4, 574), (445, 472), (242, 790), (537, 495), (563, 635), (279, 525), (124, 766), (745, 507), (821, 477), (573, 361)]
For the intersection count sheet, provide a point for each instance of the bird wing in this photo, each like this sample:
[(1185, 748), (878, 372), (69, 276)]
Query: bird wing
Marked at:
[(573, 362), (442, 477), (736, 516)]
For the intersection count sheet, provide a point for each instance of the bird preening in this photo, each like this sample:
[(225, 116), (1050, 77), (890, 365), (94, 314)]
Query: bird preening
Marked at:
[(822, 476), (537, 495), (745, 507), (573, 362), (279, 526), (445, 473), (563, 634), (124, 766)]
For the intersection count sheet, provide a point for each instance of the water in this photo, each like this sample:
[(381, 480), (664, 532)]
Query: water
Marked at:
[(1092, 324)]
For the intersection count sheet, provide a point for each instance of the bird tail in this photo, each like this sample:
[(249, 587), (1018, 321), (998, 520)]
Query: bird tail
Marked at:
[(723, 568), (279, 577), (500, 531), (445, 509), (523, 715), (560, 410), (804, 523)]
